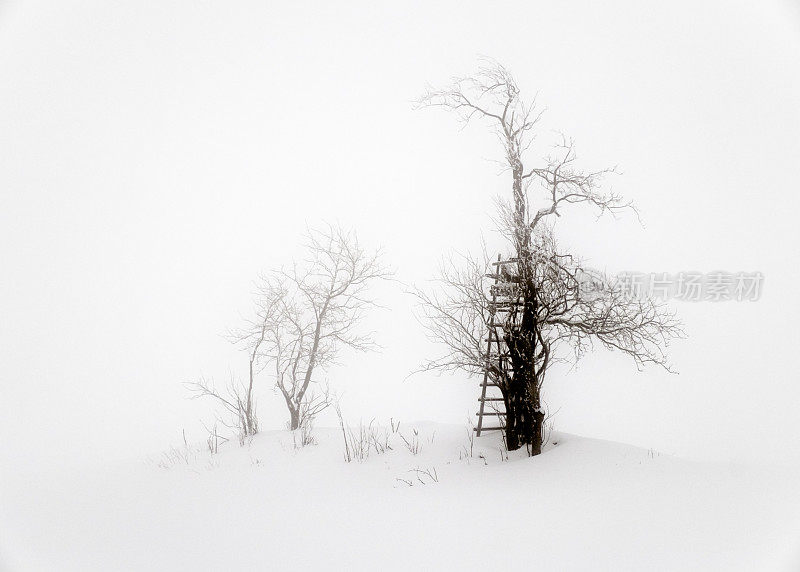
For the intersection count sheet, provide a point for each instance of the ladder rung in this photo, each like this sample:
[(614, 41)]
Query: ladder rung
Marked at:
[(505, 298)]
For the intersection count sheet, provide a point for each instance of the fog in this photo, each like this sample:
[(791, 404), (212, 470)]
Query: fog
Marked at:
[(155, 157)]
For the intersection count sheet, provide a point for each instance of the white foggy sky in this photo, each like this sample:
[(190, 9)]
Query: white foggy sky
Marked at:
[(155, 156)]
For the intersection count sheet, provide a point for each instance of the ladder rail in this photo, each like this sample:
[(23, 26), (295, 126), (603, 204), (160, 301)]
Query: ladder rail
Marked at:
[(492, 332)]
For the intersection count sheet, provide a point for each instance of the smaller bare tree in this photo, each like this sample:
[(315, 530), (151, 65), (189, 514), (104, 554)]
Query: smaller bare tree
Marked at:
[(308, 312), (238, 399), (304, 315)]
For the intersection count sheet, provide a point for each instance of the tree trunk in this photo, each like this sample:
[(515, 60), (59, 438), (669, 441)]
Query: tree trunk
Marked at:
[(524, 419), (294, 421)]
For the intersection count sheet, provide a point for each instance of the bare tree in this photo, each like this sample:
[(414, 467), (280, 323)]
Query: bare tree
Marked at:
[(238, 399), (304, 315), (551, 304), (307, 313)]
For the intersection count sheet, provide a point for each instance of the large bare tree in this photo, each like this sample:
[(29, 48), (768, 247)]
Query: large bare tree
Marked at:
[(553, 305)]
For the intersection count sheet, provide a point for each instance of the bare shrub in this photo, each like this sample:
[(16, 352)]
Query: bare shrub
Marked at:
[(357, 443), (361, 440), (412, 443), (423, 477), (214, 439), (379, 438), (303, 435), (236, 400), (468, 450), (177, 455)]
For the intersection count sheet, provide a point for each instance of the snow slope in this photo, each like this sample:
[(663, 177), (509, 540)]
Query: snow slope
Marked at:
[(584, 504)]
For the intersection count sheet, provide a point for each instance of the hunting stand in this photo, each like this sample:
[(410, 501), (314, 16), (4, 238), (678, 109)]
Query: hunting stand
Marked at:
[(502, 313)]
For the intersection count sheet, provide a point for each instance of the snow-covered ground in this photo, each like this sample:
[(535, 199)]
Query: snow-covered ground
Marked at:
[(584, 504)]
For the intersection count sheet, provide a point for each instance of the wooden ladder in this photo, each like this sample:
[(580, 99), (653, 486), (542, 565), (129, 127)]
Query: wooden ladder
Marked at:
[(501, 356)]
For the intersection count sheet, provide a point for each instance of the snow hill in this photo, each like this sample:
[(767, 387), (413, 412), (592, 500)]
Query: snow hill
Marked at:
[(583, 504)]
